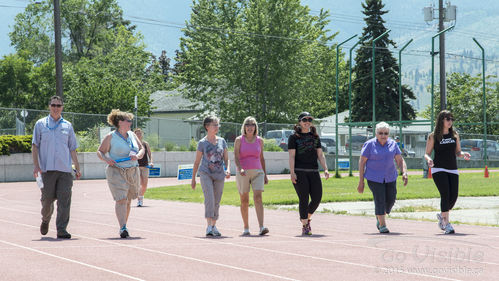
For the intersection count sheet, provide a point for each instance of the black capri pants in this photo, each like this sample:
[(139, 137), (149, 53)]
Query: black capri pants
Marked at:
[(384, 196), (308, 184), (448, 186)]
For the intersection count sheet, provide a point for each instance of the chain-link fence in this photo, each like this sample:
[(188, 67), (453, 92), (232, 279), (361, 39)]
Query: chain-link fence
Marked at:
[(177, 134)]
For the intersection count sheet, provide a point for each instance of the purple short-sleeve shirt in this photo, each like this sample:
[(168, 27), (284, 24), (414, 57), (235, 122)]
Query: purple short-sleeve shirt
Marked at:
[(380, 166)]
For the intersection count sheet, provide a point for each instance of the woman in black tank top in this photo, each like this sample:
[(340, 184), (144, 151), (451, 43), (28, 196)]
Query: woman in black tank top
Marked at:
[(445, 142), (144, 164)]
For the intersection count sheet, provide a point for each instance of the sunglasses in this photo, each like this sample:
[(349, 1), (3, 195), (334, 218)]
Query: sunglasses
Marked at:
[(307, 119), (383, 133), (449, 118), (127, 120), (56, 105), (249, 125)]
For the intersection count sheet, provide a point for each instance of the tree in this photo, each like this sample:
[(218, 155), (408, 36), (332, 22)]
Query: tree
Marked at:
[(25, 85), (88, 25), (465, 101), (386, 69), (97, 85), (263, 58), (105, 64)]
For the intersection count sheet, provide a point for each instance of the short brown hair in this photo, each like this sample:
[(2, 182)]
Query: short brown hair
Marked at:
[(55, 98), (208, 119), (116, 116)]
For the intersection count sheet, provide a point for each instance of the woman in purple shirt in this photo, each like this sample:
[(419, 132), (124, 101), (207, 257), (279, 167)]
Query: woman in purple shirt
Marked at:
[(376, 165)]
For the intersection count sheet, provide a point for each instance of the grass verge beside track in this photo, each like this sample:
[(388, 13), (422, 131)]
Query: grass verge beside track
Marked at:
[(281, 192)]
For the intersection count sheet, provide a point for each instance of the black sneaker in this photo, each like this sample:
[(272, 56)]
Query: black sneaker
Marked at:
[(44, 228), (63, 235)]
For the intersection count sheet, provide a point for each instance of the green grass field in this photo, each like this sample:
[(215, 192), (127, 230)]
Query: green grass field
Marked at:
[(281, 192)]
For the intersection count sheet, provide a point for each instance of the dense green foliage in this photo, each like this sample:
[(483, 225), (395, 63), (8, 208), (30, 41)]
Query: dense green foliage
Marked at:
[(15, 144), (465, 101), (386, 69), (269, 59), (105, 63)]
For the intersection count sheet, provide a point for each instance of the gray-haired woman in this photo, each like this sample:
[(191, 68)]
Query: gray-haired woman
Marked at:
[(376, 165)]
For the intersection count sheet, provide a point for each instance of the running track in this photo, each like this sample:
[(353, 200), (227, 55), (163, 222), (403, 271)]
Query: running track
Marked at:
[(167, 243)]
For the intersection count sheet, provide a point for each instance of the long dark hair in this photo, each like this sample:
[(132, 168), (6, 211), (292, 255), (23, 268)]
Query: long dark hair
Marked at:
[(313, 130), (438, 132)]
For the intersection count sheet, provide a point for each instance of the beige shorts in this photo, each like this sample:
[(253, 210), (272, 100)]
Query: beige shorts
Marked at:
[(144, 172), (254, 177), (123, 182)]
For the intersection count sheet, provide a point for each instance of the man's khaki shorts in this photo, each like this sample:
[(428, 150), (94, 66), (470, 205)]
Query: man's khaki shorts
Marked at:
[(254, 177)]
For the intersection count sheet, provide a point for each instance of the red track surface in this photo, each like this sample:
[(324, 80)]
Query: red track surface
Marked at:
[(167, 243)]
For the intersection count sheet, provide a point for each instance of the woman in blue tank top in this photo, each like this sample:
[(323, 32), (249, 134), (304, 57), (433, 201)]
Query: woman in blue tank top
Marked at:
[(121, 149)]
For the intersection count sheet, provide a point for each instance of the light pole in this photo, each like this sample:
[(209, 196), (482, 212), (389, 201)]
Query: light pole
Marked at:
[(400, 89), (484, 104), (433, 70), (374, 76), (350, 105), (337, 174), (135, 111)]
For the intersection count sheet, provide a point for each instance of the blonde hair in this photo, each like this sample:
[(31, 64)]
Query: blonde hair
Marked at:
[(249, 120), (116, 116)]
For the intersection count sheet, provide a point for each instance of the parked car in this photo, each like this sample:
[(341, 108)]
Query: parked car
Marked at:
[(357, 143), (408, 153), (476, 149), (280, 136), (328, 144)]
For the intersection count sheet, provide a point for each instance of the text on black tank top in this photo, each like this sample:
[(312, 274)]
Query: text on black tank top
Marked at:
[(445, 152)]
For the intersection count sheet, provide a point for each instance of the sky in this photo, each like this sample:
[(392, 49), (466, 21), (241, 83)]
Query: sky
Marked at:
[(160, 23)]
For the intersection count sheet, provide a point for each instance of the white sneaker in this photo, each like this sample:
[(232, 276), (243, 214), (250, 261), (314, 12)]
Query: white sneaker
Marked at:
[(216, 232), (440, 221), (246, 232), (140, 203), (449, 229), (209, 231)]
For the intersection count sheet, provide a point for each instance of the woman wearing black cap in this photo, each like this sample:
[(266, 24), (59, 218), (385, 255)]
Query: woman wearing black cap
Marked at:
[(304, 147)]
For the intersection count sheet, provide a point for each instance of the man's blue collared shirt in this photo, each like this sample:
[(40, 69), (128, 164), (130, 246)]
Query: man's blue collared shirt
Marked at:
[(55, 141)]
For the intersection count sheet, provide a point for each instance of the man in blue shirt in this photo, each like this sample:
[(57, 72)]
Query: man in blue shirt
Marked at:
[(53, 149)]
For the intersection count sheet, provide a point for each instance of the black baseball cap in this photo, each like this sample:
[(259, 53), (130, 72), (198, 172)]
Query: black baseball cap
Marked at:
[(304, 114)]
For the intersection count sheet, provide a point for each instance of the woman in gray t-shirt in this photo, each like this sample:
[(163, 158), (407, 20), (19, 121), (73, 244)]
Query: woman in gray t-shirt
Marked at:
[(212, 150)]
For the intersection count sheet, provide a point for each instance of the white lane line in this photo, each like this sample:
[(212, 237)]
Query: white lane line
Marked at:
[(269, 250), (243, 246), (302, 239), (147, 250), (337, 242), (70, 260)]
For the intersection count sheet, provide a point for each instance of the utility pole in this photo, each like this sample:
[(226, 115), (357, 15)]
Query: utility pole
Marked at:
[(445, 14), (443, 96), (58, 49)]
